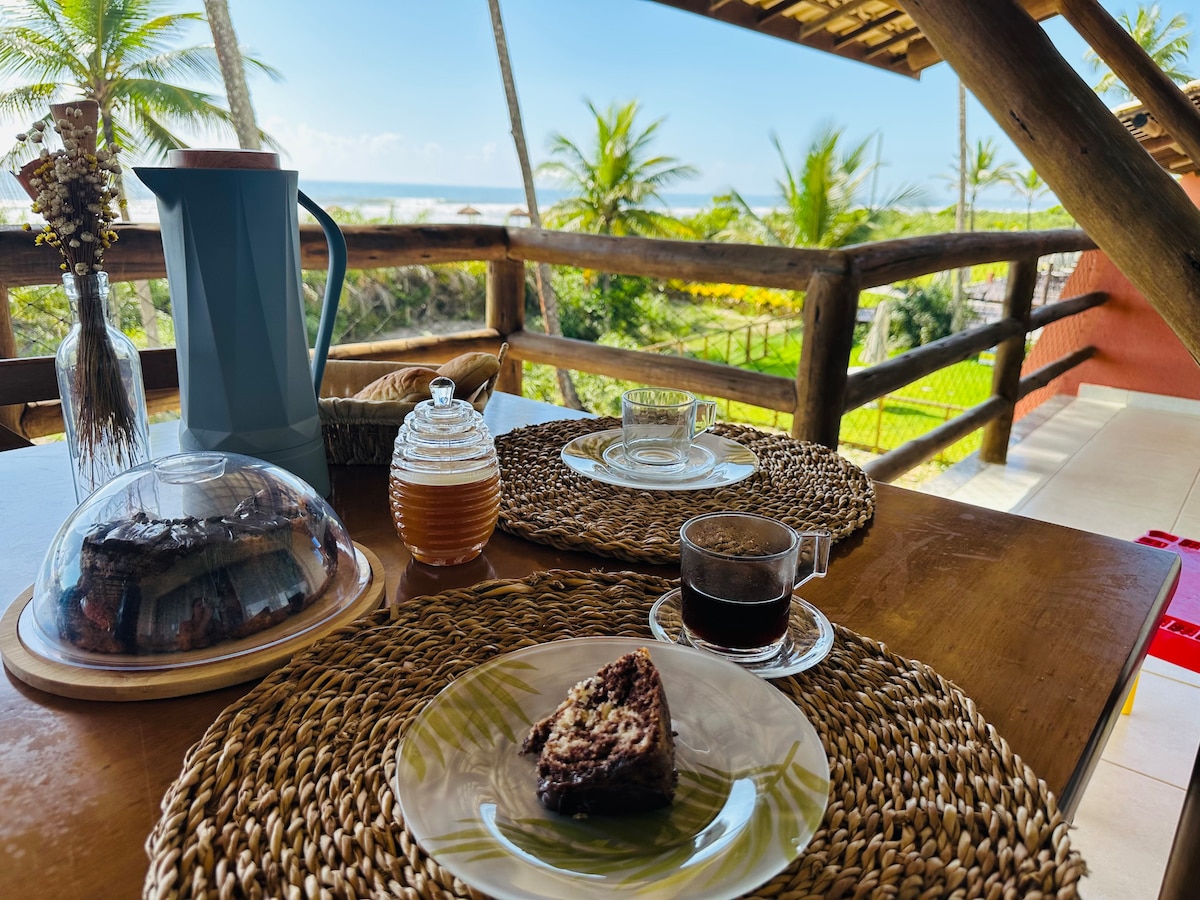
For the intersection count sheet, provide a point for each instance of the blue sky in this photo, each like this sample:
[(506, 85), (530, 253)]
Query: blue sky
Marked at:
[(409, 91)]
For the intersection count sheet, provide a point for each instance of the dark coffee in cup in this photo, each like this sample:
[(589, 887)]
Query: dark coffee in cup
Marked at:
[(744, 623), (737, 574)]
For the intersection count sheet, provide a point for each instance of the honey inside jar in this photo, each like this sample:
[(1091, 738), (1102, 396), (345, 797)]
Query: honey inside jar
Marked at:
[(445, 519)]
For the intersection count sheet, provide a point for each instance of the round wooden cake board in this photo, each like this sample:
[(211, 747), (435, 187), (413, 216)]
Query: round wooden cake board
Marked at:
[(153, 684)]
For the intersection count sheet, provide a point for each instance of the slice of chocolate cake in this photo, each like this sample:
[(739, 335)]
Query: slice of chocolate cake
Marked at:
[(608, 748)]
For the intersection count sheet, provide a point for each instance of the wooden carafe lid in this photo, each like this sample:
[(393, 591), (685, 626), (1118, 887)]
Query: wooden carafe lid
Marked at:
[(222, 159)]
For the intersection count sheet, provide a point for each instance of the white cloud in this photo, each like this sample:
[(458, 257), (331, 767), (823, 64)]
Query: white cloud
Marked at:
[(388, 157)]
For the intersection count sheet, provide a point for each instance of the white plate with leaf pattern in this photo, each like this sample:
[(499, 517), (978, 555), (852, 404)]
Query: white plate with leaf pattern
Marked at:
[(753, 782), (715, 462)]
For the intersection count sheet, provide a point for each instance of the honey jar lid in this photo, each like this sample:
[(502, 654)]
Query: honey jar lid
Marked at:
[(442, 431)]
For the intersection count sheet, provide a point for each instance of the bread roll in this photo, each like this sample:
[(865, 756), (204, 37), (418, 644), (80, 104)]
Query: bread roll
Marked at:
[(469, 371), (400, 385)]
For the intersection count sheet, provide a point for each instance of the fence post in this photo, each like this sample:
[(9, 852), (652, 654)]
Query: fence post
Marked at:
[(506, 314), (830, 307), (1010, 356)]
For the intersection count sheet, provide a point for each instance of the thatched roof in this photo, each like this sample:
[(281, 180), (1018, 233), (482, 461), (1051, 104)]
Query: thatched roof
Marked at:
[(1141, 123), (877, 32)]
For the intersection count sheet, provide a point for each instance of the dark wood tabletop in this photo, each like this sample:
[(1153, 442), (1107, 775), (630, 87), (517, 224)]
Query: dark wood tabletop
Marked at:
[(1043, 626)]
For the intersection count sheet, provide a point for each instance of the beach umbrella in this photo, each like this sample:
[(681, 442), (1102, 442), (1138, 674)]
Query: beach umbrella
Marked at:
[(875, 348), (518, 213), (469, 211)]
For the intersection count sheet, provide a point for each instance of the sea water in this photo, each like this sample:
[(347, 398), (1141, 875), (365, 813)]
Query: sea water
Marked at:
[(394, 203)]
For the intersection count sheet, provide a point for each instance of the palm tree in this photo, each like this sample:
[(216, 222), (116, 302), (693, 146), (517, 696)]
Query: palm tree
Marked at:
[(613, 182), (822, 200), (119, 53), (541, 271), (984, 171), (1030, 186), (233, 72), (1164, 42)]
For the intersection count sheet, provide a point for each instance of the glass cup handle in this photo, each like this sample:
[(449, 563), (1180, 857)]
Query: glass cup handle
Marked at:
[(706, 416), (814, 555)]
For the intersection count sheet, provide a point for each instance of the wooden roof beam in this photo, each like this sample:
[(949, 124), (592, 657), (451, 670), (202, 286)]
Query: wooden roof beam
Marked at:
[(833, 15), (1129, 62), (778, 12), (1135, 211), (898, 38), (866, 28)]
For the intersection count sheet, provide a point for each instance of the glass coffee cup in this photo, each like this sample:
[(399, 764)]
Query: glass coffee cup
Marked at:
[(737, 575), (444, 484), (659, 426)]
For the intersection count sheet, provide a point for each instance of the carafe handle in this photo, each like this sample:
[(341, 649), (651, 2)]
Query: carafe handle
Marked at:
[(336, 242)]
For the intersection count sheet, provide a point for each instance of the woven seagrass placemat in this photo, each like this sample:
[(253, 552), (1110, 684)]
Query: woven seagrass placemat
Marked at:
[(803, 484), (289, 792)]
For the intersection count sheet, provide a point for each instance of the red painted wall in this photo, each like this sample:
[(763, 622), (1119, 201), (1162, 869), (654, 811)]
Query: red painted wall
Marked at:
[(1136, 350)]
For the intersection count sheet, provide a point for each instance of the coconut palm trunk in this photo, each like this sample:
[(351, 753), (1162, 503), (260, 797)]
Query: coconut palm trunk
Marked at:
[(960, 211), (545, 290), (233, 72)]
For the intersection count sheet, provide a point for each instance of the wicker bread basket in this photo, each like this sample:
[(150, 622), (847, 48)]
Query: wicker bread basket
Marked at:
[(362, 432)]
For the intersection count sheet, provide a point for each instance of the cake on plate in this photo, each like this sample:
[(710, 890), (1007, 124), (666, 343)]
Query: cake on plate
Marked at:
[(608, 748)]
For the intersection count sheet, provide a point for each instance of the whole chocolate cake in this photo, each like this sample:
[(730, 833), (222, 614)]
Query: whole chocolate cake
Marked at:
[(608, 748), (160, 585)]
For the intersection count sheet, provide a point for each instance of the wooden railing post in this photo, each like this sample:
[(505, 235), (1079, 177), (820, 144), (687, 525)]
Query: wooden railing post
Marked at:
[(830, 307), (506, 314), (10, 416), (1010, 356)]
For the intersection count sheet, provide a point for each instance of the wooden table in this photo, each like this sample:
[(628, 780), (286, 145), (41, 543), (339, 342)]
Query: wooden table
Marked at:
[(1043, 626)]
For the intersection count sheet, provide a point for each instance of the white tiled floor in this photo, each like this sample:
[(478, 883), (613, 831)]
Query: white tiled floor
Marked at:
[(1118, 463)]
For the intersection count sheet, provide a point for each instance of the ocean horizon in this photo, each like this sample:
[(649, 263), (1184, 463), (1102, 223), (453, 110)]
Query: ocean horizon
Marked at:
[(403, 203), (394, 202)]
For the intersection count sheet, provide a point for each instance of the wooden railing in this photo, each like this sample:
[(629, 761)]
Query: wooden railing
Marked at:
[(821, 392)]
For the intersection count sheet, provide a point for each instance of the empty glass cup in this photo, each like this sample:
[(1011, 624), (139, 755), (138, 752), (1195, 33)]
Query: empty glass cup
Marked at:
[(658, 426)]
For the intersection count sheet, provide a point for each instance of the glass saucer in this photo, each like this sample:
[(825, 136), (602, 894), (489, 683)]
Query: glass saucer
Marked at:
[(700, 462), (808, 641), (586, 455)]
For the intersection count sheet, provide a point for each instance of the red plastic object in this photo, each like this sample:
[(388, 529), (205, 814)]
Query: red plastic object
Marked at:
[(1178, 637)]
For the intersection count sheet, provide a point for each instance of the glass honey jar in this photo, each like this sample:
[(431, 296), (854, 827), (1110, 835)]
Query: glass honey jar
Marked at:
[(444, 484)]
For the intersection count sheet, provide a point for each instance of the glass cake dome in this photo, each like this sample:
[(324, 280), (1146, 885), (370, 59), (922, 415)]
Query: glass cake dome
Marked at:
[(190, 558)]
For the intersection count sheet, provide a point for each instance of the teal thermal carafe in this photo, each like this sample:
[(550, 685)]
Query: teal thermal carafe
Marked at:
[(231, 236)]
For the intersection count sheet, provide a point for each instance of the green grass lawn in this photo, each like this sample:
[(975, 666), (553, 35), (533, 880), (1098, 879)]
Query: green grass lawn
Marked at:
[(910, 412)]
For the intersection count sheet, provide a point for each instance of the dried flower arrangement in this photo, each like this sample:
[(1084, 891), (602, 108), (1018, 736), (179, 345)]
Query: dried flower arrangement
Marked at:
[(72, 189)]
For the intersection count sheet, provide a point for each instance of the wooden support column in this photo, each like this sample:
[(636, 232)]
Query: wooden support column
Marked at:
[(830, 306), (1129, 62), (1134, 210), (506, 314), (1010, 356)]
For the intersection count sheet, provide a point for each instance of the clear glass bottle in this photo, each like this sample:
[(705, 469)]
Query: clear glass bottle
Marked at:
[(100, 383), (444, 485)]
